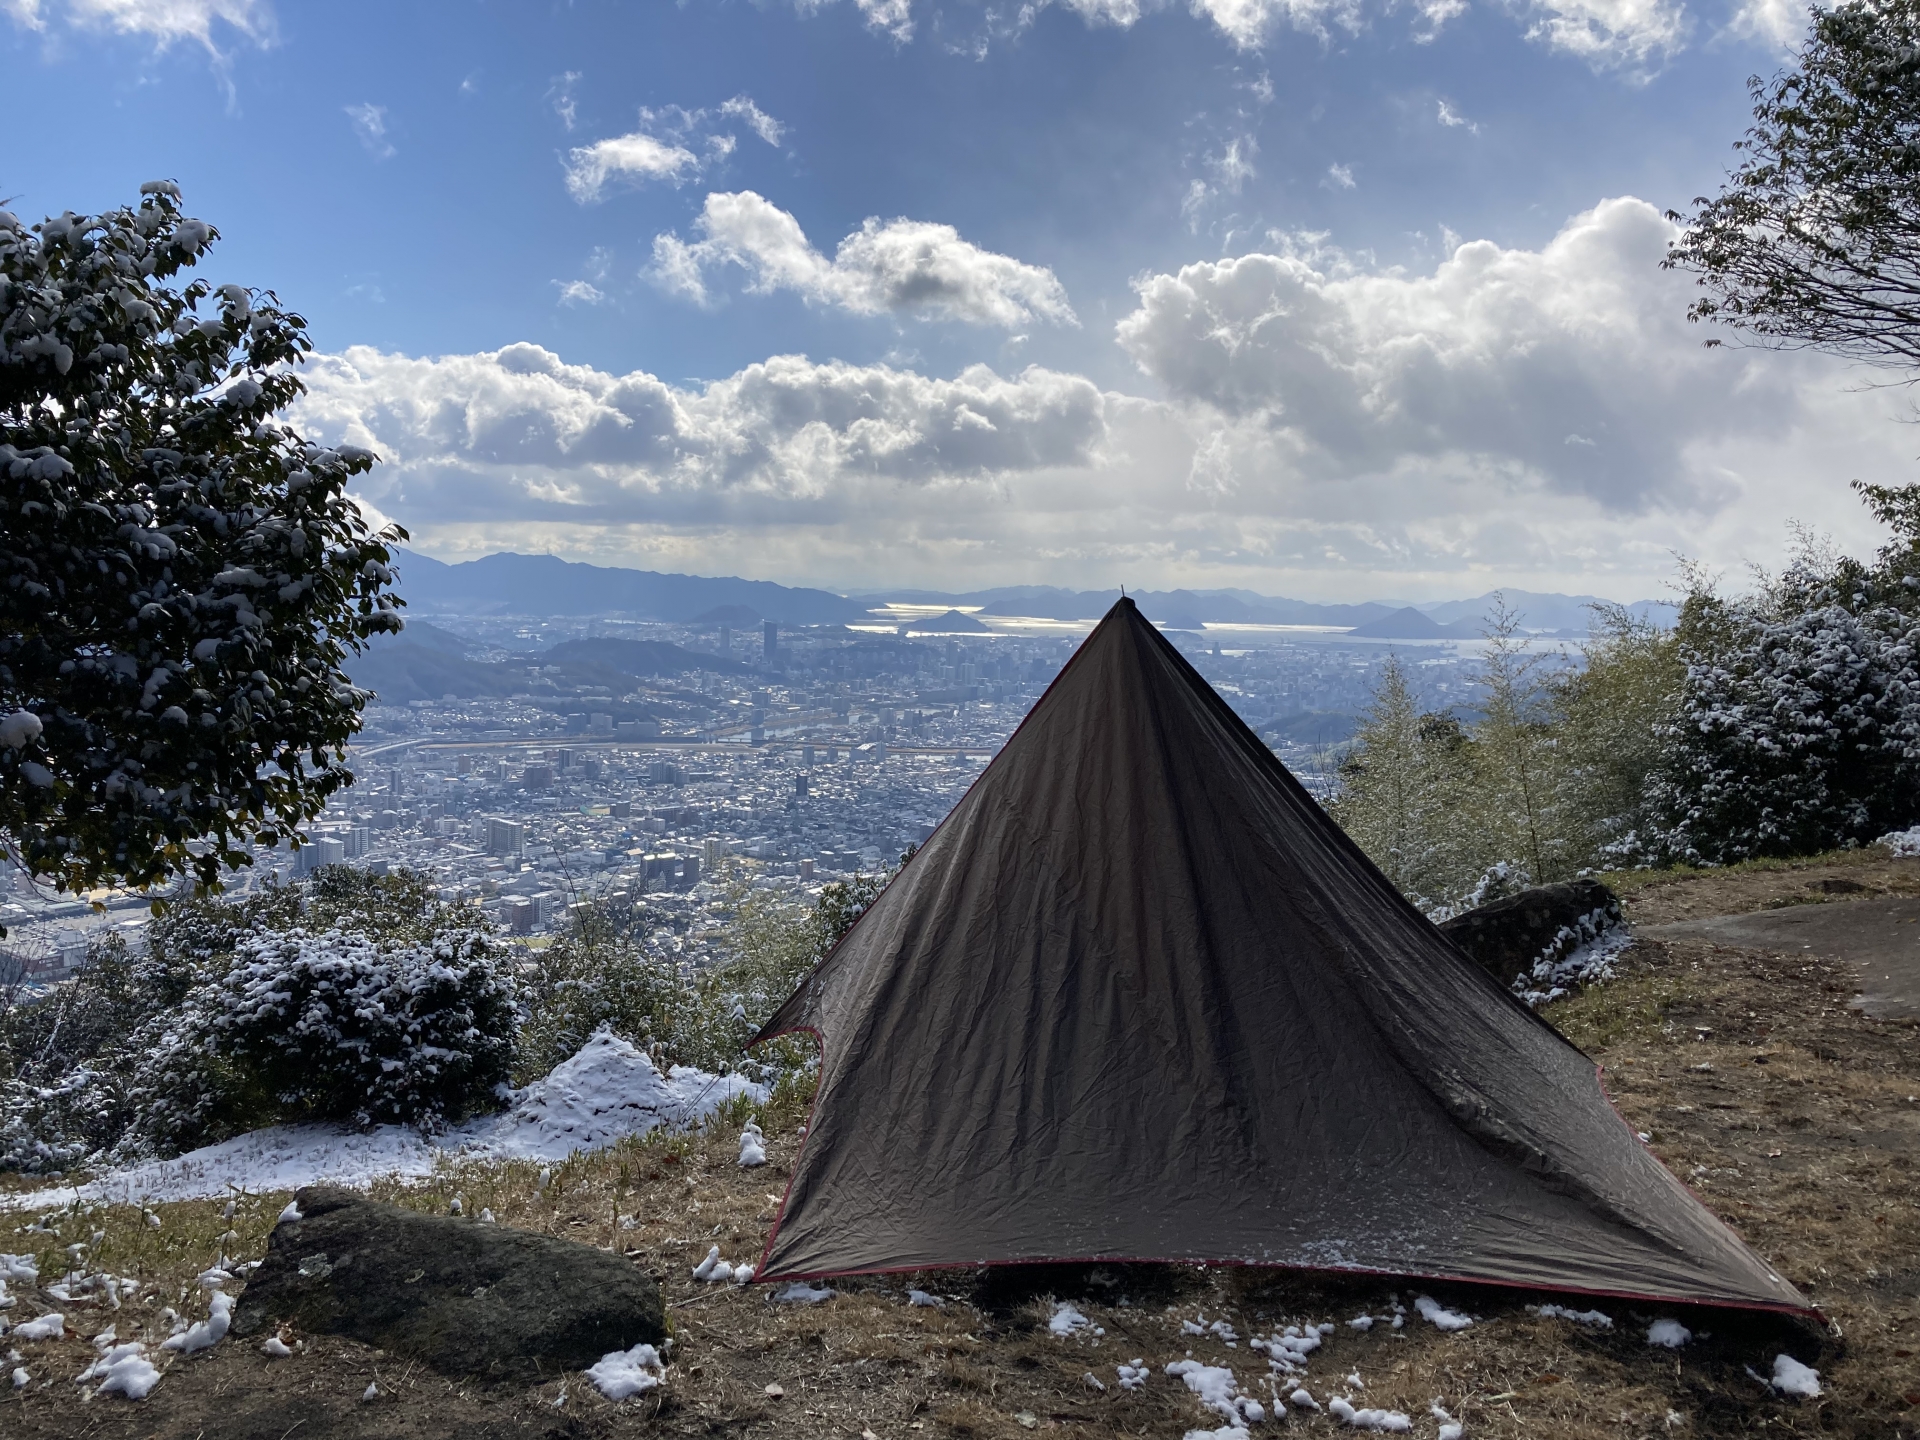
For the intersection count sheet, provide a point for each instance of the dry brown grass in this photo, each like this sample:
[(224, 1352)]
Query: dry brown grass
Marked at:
[(1788, 1112)]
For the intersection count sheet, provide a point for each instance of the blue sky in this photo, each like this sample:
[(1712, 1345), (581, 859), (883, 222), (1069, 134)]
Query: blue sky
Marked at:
[(1324, 297)]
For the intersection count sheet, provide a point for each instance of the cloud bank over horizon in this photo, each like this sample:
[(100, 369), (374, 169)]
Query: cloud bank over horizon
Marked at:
[(1305, 424)]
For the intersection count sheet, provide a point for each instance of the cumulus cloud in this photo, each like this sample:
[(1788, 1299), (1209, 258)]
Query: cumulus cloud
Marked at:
[(672, 144), (1488, 365), (164, 21), (1541, 418), (905, 267), (634, 158), (518, 433), (370, 124), (1633, 35)]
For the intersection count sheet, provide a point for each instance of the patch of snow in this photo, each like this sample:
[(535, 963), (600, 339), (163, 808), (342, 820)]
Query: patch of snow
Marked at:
[(372, 1392), (1095, 1381), (1066, 1320), (1903, 843), (1134, 1376), (1301, 1400), (1790, 1377), (621, 1374), (21, 1379), (273, 1345), (607, 1091), (924, 1300), (1668, 1334), (204, 1334), (753, 1146), (1450, 1428), (1361, 1322), (713, 1269), (1388, 1421), (19, 1267), (1225, 1432), (742, 1274), (1596, 1319), (50, 1326), (1218, 1391), (291, 1213), (1438, 1316), (801, 1293), (123, 1370)]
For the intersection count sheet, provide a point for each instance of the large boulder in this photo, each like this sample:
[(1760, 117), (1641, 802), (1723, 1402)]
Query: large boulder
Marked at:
[(464, 1297), (1510, 937)]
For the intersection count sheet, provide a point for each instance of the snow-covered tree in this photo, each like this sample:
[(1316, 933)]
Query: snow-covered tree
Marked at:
[(1798, 723), (181, 577)]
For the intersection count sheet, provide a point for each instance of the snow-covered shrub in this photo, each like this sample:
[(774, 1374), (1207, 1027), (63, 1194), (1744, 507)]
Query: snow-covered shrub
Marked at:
[(343, 1025), (1798, 723), (150, 1054)]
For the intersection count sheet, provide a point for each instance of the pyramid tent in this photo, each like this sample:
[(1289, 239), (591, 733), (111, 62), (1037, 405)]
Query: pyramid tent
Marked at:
[(1139, 998)]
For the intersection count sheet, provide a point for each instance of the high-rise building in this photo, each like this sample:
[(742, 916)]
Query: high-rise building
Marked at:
[(506, 837), (770, 634)]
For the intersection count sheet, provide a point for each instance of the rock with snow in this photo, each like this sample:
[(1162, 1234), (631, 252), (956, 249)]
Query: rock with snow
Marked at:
[(1512, 939), (466, 1299)]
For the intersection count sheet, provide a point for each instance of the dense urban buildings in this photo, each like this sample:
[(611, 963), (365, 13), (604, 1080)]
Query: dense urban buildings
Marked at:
[(753, 757)]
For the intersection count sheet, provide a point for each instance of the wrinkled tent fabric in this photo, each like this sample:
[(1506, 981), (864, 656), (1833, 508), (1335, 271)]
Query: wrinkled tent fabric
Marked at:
[(1139, 998)]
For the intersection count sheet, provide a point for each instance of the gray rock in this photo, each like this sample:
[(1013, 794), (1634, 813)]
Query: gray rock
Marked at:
[(1510, 936), (460, 1296)]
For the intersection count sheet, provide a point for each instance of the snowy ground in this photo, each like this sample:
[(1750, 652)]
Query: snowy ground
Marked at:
[(607, 1091)]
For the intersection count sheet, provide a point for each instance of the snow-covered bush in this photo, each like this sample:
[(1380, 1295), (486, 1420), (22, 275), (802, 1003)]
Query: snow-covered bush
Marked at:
[(224, 1024), (1798, 723), (344, 1026)]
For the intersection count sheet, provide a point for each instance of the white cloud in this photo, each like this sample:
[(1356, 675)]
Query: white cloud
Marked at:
[(1341, 176), (1483, 367), (1454, 120), (761, 123), (635, 158), (164, 21), (561, 94), (370, 124), (579, 292), (1542, 418), (908, 267), (1250, 23), (1633, 35), (517, 434), (1779, 24), (664, 147)]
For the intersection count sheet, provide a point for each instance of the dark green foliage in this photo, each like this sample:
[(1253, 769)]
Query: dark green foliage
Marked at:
[(181, 577)]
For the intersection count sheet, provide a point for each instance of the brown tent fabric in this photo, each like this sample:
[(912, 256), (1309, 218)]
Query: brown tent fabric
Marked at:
[(1138, 998)]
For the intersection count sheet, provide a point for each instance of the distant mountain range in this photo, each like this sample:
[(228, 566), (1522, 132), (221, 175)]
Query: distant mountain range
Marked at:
[(543, 585), (425, 662)]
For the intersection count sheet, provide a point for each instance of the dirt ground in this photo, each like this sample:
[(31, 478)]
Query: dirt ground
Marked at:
[(1791, 1114)]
